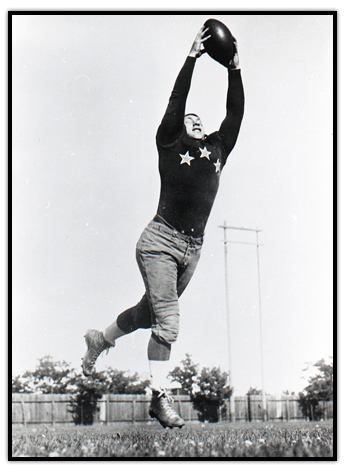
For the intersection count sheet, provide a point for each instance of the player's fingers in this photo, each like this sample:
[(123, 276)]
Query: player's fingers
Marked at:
[(201, 31), (204, 39)]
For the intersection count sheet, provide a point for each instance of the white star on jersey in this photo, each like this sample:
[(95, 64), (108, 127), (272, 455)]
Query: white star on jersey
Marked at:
[(186, 158), (217, 165), (205, 153)]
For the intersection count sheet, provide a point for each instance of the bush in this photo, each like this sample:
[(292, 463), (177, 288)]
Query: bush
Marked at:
[(320, 388), (84, 403), (207, 390), (209, 400)]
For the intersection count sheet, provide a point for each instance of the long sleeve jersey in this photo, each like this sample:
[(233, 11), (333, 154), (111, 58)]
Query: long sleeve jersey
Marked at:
[(189, 168)]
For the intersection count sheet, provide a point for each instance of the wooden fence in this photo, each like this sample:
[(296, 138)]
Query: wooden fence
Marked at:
[(53, 408)]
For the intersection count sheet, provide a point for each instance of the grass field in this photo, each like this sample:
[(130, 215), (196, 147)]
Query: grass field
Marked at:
[(285, 439)]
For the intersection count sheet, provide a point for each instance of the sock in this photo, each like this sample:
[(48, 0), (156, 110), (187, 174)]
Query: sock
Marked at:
[(112, 333), (159, 371)]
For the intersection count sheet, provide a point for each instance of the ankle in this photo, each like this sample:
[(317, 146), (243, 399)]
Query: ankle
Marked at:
[(107, 339)]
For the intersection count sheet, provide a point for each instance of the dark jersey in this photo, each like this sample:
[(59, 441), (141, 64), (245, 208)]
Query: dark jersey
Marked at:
[(190, 169)]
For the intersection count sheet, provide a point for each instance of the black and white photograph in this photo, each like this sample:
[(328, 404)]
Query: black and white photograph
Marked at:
[(172, 183)]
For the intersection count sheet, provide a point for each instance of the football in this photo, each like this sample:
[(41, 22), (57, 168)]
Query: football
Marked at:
[(220, 46)]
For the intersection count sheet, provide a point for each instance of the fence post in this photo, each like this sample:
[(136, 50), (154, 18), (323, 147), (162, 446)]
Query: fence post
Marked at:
[(23, 413), (179, 403), (53, 409), (249, 413), (133, 404), (266, 416), (107, 409), (287, 410)]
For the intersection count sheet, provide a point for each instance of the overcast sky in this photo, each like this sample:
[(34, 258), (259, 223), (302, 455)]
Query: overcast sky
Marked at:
[(89, 92)]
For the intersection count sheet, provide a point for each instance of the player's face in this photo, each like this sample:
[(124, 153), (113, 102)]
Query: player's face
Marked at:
[(194, 127)]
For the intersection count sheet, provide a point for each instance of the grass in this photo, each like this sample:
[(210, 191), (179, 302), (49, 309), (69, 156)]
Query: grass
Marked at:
[(265, 440)]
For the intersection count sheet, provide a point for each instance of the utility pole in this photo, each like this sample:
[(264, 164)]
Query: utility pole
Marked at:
[(232, 397), (261, 341), (256, 230)]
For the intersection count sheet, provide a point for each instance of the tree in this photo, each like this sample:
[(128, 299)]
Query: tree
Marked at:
[(254, 391), (209, 400), (88, 391), (320, 388), (52, 376), (84, 402), (49, 377), (207, 390), (287, 393), (186, 375), (117, 382)]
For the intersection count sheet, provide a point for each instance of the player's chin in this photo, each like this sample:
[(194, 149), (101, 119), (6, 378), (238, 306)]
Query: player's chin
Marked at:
[(197, 135)]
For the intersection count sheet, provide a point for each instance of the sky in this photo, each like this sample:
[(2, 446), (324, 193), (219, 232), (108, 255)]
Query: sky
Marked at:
[(88, 94)]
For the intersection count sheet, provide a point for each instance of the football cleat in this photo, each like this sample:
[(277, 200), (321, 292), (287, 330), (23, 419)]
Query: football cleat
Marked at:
[(96, 344), (160, 408)]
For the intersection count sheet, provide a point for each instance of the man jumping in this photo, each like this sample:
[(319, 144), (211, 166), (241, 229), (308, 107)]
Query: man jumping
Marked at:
[(168, 250)]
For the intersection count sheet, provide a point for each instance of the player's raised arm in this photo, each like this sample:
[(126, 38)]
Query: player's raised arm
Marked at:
[(173, 121), (230, 126)]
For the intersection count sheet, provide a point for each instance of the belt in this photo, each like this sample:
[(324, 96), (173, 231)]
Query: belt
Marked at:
[(172, 231)]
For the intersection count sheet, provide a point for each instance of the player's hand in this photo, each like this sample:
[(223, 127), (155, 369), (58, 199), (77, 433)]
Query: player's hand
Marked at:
[(197, 48), (235, 61)]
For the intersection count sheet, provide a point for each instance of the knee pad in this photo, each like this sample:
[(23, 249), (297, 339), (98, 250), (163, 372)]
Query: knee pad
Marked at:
[(166, 328)]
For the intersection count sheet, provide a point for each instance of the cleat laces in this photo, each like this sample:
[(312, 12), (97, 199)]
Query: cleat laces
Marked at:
[(96, 355), (166, 404)]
